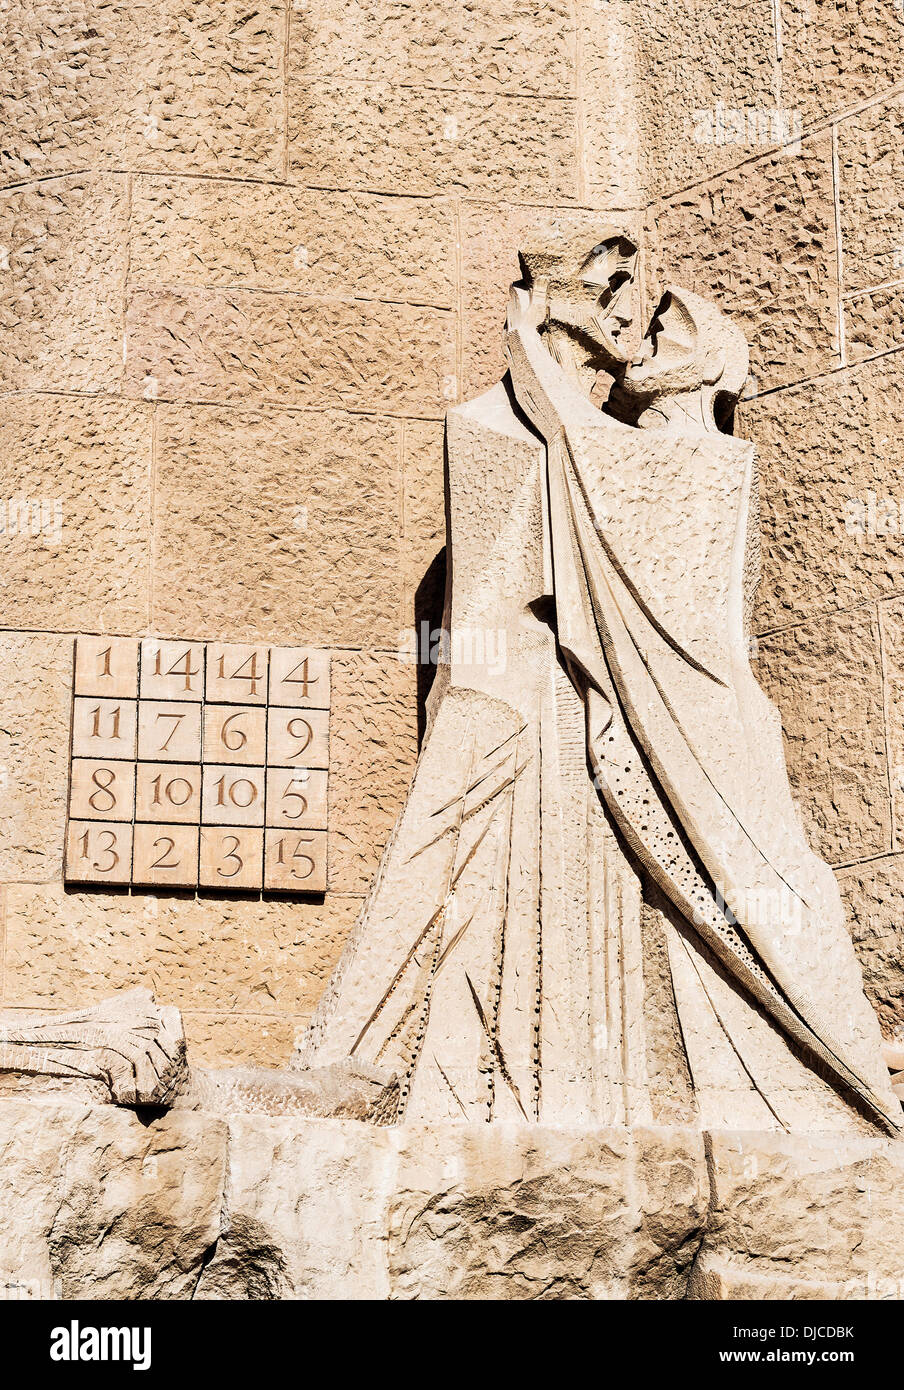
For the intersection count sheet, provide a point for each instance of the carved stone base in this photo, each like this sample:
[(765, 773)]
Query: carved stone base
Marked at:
[(802, 1216), (288, 1207)]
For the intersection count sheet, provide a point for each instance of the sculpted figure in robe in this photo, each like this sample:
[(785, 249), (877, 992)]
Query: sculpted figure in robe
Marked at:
[(598, 904)]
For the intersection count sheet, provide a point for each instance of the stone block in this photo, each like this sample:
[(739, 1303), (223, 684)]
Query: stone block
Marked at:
[(299, 676), (66, 949), (206, 87), (756, 237), (231, 858), (104, 728), (236, 673), (871, 206), (838, 53), (695, 117), (98, 852), (802, 1216), (239, 347), (825, 676), (35, 696), (62, 268), (891, 620), (272, 957), (101, 789), (171, 670), (873, 322), (830, 514), (373, 737), (58, 86), (165, 856), (168, 792), (190, 1205), (614, 158), (232, 795), (295, 861), (313, 500), (106, 667), (81, 560), (529, 1212), (96, 1203), (298, 738), (32, 1136), (169, 730), (233, 734), (874, 895), (218, 233), (423, 515), (525, 49), (336, 1210), (386, 138), (309, 1199), (297, 798), (225, 1039), (189, 85)]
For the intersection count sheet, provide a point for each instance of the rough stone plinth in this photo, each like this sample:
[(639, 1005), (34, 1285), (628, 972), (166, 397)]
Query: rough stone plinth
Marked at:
[(100, 1203), (793, 1216)]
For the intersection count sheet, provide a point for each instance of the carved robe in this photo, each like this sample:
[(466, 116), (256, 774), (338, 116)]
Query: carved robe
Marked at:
[(598, 905)]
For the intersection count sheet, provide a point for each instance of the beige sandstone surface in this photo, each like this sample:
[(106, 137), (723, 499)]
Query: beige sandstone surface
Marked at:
[(249, 257), (191, 1205)]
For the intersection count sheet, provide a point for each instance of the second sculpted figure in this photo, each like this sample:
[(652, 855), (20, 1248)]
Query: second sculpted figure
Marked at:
[(598, 905)]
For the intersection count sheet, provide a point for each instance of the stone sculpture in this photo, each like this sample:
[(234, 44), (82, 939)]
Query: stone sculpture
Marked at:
[(597, 922), (598, 905)]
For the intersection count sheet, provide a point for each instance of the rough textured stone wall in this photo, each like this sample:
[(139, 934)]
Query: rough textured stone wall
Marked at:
[(806, 248), (249, 254)]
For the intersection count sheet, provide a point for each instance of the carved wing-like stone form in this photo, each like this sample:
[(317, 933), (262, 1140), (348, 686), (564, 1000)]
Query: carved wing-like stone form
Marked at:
[(130, 1044)]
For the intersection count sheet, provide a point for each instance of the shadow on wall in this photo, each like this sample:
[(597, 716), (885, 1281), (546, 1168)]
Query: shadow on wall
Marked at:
[(428, 616)]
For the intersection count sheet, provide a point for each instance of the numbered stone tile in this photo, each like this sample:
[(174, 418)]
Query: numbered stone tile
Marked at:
[(295, 862), (107, 666), (166, 854), (172, 670), (296, 797), (169, 731), (235, 734), (232, 857), (233, 796), (300, 676), (236, 673), (98, 853), (168, 792), (104, 728), (101, 790), (298, 738)]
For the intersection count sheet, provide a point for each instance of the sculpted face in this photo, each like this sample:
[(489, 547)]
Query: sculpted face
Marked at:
[(582, 302), (692, 360), (593, 306), (689, 344), (668, 358)]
